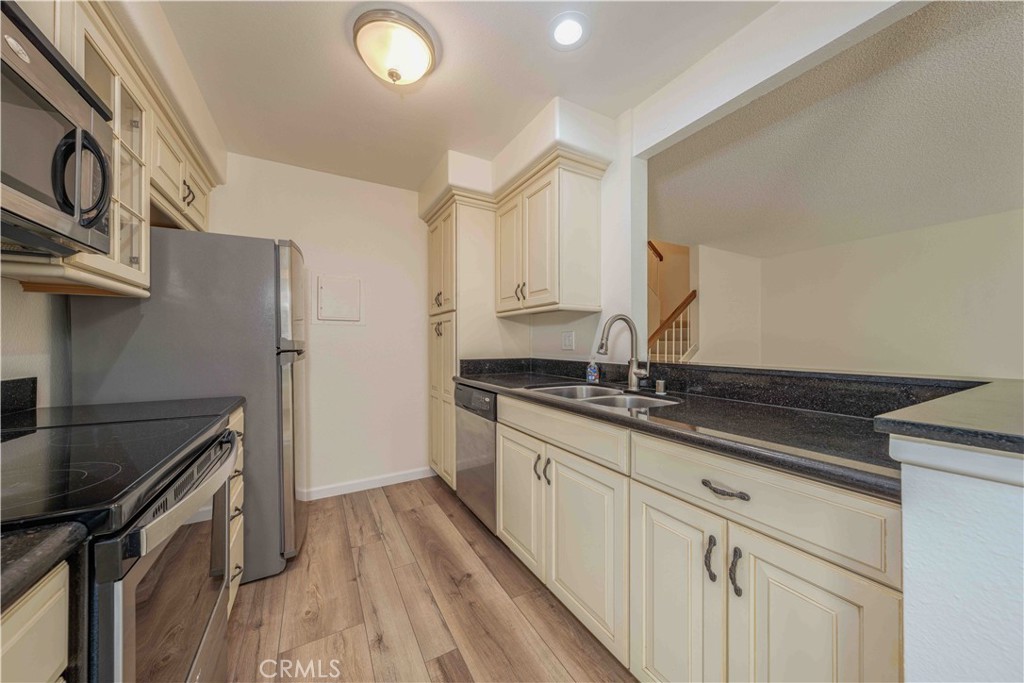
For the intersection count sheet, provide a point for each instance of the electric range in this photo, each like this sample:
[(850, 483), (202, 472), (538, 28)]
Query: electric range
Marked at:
[(151, 481)]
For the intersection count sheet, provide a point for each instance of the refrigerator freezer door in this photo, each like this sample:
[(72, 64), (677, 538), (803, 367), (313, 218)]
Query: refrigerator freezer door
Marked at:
[(292, 297), (293, 448)]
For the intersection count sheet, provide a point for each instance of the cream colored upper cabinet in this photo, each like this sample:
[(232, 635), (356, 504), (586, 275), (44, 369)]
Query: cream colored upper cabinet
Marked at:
[(441, 262), (677, 589), (548, 247), (196, 199), (540, 241), (43, 13), (105, 71), (520, 497), (508, 256), (587, 558), (793, 617), (168, 164)]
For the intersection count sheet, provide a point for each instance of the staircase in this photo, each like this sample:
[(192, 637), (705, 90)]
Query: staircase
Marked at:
[(672, 342)]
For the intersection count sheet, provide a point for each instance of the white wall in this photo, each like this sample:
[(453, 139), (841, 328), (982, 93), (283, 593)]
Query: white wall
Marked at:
[(729, 314), (945, 299), (365, 378), (35, 335)]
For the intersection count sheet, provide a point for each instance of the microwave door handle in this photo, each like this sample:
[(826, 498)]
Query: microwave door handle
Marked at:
[(58, 167), (90, 144), (163, 527)]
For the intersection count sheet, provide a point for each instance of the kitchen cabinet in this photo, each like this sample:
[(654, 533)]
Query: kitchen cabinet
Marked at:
[(180, 188), (548, 241), (677, 589), (567, 520), (236, 527), (148, 153), (109, 76), (441, 364), (793, 617), (520, 496), (441, 264), (34, 631)]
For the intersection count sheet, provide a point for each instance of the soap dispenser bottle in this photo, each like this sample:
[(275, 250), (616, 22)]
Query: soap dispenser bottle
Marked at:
[(593, 372)]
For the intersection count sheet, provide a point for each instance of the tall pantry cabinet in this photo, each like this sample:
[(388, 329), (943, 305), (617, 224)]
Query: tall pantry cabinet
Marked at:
[(460, 276)]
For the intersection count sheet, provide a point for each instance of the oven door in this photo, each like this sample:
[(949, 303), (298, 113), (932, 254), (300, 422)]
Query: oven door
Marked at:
[(56, 149), (165, 618)]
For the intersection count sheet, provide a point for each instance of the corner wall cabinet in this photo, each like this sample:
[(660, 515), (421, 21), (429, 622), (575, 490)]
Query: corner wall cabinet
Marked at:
[(441, 265), (548, 240), (89, 37), (794, 580)]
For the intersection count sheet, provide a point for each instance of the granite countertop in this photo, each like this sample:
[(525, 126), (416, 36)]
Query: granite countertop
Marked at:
[(836, 449), (26, 555), (989, 416)]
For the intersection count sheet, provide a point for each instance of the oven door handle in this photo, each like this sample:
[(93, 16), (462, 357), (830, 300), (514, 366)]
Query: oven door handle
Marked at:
[(163, 527)]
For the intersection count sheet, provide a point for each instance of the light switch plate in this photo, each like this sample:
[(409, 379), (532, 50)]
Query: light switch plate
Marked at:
[(569, 340)]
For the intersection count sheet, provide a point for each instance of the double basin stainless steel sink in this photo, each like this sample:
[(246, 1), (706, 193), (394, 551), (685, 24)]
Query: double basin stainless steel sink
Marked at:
[(605, 397)]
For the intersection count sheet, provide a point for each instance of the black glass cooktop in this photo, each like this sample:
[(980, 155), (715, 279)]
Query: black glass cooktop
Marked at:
[(100, 474)]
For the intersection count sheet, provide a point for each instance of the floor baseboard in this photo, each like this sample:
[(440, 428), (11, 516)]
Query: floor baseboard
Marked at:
[(363, 484)]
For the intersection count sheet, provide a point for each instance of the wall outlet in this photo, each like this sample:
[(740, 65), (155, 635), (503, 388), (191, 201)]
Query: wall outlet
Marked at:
[(569, 340)]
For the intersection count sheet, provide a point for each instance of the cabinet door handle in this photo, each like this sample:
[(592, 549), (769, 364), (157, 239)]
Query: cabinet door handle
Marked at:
[(736, 555), (237, 572), (523, 290), (535, 463), (546, 466), (712, 542), (437, 299), (236, 513), (726, 493), (185, 190), (517, 293)]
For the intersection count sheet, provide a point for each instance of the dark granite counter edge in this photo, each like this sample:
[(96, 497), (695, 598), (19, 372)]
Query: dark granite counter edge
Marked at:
[(1009, 443), (827, 472), (28, 554)]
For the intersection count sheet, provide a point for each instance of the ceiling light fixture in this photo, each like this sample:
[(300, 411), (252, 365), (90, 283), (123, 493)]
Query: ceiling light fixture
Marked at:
[(394, 46), (569, 30)]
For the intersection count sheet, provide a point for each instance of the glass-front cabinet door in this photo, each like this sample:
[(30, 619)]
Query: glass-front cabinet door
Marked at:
[(98, 62)]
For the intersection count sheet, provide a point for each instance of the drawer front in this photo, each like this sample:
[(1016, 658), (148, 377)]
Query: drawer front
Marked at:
[(604, 444), (34, 631), (237, 496), (860, 533), (236, 557)]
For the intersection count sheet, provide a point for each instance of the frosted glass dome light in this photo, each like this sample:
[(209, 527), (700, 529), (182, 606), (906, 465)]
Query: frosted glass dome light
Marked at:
[(393, 46)]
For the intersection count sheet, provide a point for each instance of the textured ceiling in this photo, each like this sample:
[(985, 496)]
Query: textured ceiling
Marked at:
[(920, 124), (284, 82)]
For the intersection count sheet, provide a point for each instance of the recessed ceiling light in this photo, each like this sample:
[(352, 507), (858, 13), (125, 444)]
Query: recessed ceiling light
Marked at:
[(393, 46), (569, 30)]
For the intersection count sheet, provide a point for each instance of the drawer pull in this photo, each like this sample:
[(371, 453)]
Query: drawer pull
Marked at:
[(707, 558), (726, 493), (238, 572), (535, 463), (236, 513), (736, 555)]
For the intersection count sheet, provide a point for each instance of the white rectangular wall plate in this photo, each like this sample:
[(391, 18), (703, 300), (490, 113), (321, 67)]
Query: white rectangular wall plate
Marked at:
[(569, 340), (339, 299)]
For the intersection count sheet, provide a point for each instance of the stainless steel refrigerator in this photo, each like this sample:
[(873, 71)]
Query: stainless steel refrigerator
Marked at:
[(226, 316)]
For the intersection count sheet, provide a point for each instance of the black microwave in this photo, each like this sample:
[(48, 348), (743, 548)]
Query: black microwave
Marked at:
[(56, 149)]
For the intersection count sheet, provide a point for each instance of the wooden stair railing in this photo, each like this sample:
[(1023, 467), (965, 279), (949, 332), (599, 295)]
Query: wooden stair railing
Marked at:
[(657, 252), (670, 320)]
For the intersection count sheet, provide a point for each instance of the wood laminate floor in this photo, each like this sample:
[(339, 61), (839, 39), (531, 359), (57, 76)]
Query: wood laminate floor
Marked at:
[(404, 583)]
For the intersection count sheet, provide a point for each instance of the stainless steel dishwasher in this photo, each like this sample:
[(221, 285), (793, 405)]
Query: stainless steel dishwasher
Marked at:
[(476, 413)]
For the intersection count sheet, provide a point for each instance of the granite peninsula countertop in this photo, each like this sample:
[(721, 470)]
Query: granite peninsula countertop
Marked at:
[(26, 555), (836, 449), (988, 416)]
